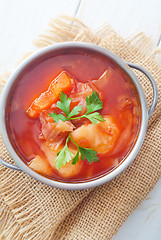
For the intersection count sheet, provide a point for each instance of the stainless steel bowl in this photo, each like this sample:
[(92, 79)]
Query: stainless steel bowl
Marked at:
[(146, 114)]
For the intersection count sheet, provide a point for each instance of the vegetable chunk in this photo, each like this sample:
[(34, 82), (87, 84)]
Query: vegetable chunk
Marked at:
[(61, 83), (39, 165), (101, 137), (68, 170)]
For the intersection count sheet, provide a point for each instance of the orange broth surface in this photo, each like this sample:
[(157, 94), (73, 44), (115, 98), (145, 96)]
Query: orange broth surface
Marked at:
[(119, 96)]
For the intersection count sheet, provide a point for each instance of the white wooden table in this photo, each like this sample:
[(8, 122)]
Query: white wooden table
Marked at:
[(22, 20)]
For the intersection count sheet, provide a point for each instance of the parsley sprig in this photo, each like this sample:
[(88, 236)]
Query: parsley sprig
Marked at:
[(65, 155), (64, 105), (86, 153), (93, 104)]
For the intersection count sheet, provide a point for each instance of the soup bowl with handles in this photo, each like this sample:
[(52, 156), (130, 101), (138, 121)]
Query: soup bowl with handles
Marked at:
[(145, 115)]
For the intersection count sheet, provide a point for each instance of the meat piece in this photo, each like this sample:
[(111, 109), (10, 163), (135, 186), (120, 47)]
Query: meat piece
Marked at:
[(100, 137), (61, 83)]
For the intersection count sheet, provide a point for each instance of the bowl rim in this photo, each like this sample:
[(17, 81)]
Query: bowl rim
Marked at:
[(78, 185)]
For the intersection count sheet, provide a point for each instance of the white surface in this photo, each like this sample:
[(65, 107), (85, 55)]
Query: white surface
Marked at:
[(126, 16), (22, 20), (145, 221)]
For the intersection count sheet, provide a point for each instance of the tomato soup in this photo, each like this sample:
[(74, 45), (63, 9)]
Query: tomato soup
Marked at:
[(38, 139)]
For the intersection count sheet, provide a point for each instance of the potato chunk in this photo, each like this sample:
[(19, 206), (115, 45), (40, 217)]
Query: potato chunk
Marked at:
[(61, 83), (39, 165), (68, 170), (101, 137)]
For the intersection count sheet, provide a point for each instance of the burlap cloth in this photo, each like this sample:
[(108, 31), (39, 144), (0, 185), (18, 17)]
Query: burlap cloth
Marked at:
[(31, 210)]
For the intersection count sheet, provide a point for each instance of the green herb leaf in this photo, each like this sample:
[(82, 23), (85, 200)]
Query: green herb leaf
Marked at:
[(76, 158), (64, 103), (95, 117), (75, 111), (58, 117), (88, 154), (93, 103), (64, 156)]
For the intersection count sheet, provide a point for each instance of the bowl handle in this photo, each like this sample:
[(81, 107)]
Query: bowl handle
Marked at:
[(9, 165), (149, 76)]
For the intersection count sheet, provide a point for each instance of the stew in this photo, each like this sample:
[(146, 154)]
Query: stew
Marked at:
[(96, 138)]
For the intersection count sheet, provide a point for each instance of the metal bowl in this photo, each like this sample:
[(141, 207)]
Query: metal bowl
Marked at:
[(146, 114)]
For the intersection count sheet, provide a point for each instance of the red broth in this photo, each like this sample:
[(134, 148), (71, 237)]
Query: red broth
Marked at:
[(120, 100)]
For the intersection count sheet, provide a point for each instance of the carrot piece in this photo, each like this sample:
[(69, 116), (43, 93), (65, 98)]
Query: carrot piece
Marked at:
[(61, 83), (39, 165)]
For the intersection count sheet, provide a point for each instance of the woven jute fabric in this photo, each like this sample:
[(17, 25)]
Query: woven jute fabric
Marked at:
[(32, 210)]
